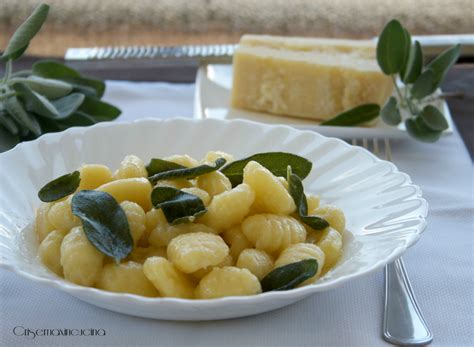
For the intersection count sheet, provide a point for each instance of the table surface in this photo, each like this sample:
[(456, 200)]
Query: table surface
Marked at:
[(440, 264)]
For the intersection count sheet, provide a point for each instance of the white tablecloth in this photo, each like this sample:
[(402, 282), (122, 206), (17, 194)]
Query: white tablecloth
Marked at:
[(440, 265)]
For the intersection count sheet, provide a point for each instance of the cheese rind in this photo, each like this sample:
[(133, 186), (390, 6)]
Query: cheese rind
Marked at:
[(309, 78)]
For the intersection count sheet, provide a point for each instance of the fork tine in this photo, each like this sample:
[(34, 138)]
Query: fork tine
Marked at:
[(388, 150), (375, 142), (365, 143)]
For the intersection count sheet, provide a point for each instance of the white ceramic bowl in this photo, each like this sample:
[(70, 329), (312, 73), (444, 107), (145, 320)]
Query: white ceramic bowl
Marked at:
[(384, 210)]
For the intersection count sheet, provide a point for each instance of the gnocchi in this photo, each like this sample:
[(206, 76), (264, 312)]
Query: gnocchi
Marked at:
[(130, 167), (131, 189), (229, 208), (126, 277), (256, 261), (195, 251), (227, 281), (224, 237), (273, 233), (60, 215), (162, 234), (301, 251), (50, 251), (214, 183), (168, 279), (271, 196), (81, 261), (94, 175), (237, 241), (136, 219), (331, 244)]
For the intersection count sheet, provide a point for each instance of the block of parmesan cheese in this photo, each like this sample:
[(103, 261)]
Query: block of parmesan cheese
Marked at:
[(306, 77)]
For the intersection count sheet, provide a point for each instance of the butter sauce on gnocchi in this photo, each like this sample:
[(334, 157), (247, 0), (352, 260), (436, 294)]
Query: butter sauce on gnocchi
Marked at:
[(199, 236)]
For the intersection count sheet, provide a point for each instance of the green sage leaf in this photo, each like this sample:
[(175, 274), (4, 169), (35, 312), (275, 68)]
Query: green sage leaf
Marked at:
[(315, 222), (177, 206), (423, 85), (88, 86), (290, 276), (434, 118), (391, 48), (390, 112), (60, 187), (99, 110), (191, 172), (404, 67), (104, 222), (21, 116), (414, 64), (68, 105), (25, 32), (355, 116), (78, 118), (53, 69), (441, 65), (50, 88), (276, 162), (35, 102), (159, 165), (417, 129), (8, 123), (295, 187)]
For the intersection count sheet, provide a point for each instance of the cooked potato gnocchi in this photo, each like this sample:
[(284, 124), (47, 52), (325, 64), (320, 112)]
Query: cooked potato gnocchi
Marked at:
[(256, 261), (194, 251), (229, 208), (227, 281), (126, 277), (301, 251), (273, 233), (271, 196), (50, 251), (81, 261), (207, 233), (168, 279)]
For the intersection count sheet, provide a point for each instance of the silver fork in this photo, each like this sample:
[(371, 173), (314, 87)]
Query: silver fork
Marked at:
[(403, 322)]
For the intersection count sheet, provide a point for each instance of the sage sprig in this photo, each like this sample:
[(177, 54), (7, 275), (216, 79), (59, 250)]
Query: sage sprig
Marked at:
[(60, 187), (402, 60), (104, 222), (177, 206), (290, 276), (50, 97)]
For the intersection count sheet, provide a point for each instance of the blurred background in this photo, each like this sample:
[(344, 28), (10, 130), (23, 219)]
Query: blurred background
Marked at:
[(86, 23)]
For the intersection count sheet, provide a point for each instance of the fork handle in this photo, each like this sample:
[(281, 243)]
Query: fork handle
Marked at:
[(403, 321)]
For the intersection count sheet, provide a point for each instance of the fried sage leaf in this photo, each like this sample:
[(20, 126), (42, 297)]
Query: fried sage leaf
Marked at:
[(191, 172), (177, 206), (289, 276), (295, 187), (60, 187), (160, 165), (276, 162), (104, 221)]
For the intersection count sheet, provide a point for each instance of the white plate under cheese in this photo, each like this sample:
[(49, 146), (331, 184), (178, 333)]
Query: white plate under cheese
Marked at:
[(213, 100)]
